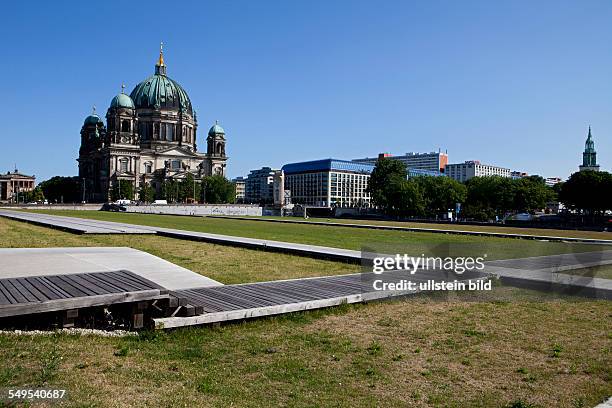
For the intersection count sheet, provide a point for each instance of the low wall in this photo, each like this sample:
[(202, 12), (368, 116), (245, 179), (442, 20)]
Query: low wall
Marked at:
[(204, 209), (92, 207)]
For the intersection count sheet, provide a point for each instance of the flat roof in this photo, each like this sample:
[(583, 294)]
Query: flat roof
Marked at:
[(328, 165)]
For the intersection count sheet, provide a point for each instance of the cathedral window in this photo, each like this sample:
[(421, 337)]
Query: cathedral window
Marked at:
[(123, 165), (170, 132), (176, 164), (125, 126), (148, 168)]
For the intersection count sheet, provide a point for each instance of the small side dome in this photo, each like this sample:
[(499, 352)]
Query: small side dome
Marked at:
[(122, 101), (92, 119), (216, 130)]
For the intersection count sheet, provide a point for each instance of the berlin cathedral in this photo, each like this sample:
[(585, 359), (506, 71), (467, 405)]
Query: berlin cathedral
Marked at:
[(150, 136)]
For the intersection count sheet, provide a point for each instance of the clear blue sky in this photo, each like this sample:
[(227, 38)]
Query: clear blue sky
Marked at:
[(512, 83)]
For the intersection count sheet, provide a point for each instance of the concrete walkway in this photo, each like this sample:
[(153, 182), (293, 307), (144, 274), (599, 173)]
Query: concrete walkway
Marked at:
[(75, 225), (30, 262), (88, 226), (432, 230)]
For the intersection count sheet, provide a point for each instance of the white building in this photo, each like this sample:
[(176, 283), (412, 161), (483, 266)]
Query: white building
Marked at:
[(473, 168), (328, 183)]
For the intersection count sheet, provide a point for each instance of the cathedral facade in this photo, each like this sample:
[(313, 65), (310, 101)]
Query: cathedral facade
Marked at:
[(150, 137)]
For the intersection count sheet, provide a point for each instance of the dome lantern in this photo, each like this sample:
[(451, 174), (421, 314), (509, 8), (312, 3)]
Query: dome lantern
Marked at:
[(160, 67)]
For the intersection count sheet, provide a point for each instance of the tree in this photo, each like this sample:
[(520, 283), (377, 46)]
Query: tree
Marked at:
[(189, 189), (61, 189), (531, 194), (440, 194), (385, 179), (122, 190), (146, 193), (169, 190), (406, 198), (218, 189), (589, 191), (488, 197), (35, 195)]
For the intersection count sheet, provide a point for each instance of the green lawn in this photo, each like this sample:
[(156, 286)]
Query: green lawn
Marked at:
[(462, 227), (507, 346), (356, 239), (223, 263)]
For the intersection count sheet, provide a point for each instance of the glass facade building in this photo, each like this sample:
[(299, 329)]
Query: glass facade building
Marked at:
[(328, 183)]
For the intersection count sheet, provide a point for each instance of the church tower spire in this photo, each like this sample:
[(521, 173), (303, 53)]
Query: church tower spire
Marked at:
[(589, 156)]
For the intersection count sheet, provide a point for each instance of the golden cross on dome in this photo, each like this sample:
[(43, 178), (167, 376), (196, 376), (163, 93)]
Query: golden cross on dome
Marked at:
[(122, 87), (93, 110), (161, 54)]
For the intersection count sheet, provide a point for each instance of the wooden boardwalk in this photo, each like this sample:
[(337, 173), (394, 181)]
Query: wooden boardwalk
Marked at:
[(39, 294), (244, 301)]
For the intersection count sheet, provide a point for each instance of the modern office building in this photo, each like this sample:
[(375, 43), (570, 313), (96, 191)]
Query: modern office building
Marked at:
[(14, 183), (434, 161), (589, 156), (239, 182), (473, 168), (328, 183), (259, 186)]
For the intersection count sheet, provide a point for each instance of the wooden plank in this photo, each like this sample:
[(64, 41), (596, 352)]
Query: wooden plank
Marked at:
[(79, 302), (7, 294), (67, 287), (97, 279), (52, 291), (84, 285), (34, 290), (22, 289), (10, 287)]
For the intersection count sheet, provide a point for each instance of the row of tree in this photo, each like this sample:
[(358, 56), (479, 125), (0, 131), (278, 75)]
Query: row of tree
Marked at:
[(481, 198), (212, 189), (587, 191)]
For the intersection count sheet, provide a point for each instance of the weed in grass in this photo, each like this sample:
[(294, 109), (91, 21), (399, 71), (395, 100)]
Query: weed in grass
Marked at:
[(398, 357), (579, 402), (122, 351), (473, 333), (426, 373), (556, 350), (374, 348), (49, 367), (7, 374), (522, 370), (205, 387), (520, 404), (530, 378)]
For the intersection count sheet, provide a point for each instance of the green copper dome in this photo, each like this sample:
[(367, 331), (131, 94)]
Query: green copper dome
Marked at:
[(216, 129), (92, 119), (122, 101), (160, 92)]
